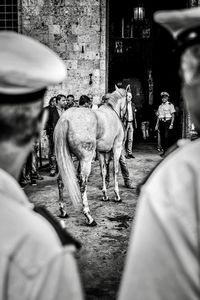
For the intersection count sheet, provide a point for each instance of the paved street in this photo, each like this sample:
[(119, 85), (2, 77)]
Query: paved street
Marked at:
[(101, 257)]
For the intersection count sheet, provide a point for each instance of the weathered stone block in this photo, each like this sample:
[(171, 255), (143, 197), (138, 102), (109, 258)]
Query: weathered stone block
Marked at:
[(72, 64), (54, 29), (103, 65), (65, 26)]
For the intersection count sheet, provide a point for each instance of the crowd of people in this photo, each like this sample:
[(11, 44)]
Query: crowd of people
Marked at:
[(36, 255), (56, 106), (165, 115)]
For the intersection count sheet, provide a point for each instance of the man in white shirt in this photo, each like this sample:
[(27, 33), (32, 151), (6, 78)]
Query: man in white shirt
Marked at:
[(165, 121), (130, 124)]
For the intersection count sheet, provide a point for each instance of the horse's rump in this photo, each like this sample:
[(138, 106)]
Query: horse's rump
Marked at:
[(82, 130)]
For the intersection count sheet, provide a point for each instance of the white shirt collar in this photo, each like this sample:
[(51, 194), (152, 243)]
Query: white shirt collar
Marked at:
[(167, 102), (10, 187)]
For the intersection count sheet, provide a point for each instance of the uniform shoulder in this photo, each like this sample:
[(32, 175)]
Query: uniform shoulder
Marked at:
[(39, 244), (182, 163), (42, 231)]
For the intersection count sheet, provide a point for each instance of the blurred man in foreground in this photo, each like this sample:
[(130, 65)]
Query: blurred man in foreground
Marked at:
[(33, 262), (163, 258)]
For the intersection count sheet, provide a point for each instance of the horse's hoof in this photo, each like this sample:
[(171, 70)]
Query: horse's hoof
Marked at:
[(118, 201), (105, 199), (94, 223), (63, 215)]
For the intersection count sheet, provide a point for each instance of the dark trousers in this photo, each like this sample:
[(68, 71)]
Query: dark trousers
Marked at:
[(124, 168), (52, 156), (165, 134)]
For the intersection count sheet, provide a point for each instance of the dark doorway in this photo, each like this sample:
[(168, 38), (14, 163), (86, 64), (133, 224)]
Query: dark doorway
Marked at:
[(139, 46), (132, 53)]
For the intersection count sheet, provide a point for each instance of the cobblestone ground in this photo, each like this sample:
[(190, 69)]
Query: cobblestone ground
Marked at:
[(104, 247)]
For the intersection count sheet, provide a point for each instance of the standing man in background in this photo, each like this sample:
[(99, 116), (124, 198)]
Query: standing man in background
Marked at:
[(70, 101), (165, 121), (54, 114), (130, 124), (48, 129), (128, 182)]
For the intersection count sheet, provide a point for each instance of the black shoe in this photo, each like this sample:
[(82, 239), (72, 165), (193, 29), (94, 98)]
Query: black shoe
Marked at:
[(130, 156), (52, 173), (33, 182), (162, 154)]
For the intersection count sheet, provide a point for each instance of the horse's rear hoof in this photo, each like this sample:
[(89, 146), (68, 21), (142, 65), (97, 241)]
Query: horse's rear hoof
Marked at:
[(118, 201), (63, 214), (105, 199), (94, 223)]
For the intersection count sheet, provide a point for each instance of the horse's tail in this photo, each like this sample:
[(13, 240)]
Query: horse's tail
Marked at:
[(65, 163)]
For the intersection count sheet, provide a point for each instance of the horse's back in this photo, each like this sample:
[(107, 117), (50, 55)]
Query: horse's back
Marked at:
[(81, 119)]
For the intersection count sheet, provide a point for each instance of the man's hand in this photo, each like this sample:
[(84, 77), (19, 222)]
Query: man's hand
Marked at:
[(156, 128), (171, 126)]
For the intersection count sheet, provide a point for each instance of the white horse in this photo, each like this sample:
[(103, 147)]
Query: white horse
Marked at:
[(81, 131)]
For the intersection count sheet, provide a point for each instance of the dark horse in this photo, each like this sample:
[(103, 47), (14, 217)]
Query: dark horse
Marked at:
[(81, 131)]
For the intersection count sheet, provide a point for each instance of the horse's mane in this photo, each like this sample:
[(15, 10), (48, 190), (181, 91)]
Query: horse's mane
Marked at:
[(116, 95)]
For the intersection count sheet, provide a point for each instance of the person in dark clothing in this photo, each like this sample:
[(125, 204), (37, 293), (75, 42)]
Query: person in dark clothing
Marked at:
[(85, 101), (54, 114), (70, 101), (123, 164)]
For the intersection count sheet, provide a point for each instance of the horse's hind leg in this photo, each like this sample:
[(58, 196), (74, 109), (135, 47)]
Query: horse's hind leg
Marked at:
[(107, 161), (116, 156), (85, 168), (103, 174), (63, 213)]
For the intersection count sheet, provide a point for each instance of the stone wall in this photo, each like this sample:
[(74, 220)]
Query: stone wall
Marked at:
[(76, 30)]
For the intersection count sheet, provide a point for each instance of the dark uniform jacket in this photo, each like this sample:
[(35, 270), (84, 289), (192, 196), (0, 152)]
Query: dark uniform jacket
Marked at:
[(52, 120)]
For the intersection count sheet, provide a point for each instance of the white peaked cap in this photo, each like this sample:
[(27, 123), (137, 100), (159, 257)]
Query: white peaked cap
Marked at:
[(26, 65), (178, 21), (164, 94)]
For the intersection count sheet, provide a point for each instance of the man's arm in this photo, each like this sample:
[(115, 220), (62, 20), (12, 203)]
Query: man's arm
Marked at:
[(48, 126), (157, 124), (134, 116), (172, 121)]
